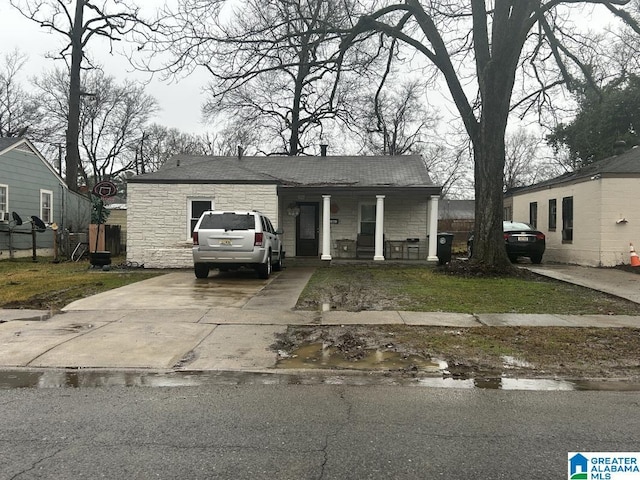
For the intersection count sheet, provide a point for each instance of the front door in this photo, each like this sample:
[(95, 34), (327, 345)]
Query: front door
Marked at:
[(307, 229)]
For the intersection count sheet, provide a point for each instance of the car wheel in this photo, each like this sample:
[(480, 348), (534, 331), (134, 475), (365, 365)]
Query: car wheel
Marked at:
[(513, 258), (536, 259), (201, 270), (279, 265), (264, 270)]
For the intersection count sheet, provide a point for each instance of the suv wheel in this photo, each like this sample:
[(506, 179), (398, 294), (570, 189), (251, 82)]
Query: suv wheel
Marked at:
[(264, 270), (201, 270), (279, 265)]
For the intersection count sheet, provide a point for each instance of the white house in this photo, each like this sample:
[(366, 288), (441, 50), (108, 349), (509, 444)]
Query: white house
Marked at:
[(328, 205), (589, 216)]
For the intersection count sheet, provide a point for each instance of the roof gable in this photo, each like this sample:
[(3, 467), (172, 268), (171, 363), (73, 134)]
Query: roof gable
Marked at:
[(357, 171), (8, 144)]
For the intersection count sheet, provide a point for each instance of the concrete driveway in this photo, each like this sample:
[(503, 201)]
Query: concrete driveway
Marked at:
[(182, 290)]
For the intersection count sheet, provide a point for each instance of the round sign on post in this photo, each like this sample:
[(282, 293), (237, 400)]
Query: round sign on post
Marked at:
[(105, 189)]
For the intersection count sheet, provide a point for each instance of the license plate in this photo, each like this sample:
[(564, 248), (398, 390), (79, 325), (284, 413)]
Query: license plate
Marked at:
[(225, 241), (523, 238)]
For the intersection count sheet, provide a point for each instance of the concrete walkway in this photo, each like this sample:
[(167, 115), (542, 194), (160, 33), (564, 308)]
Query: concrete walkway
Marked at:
[(178, 322)]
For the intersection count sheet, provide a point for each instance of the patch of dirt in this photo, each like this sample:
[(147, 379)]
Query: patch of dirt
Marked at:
[(361, 295), (472, 269), (531, 352)]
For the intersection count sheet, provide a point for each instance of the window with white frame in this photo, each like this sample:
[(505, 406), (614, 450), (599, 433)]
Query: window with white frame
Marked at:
[(368, 218), (195, 207), (46, 206), (4, 200)]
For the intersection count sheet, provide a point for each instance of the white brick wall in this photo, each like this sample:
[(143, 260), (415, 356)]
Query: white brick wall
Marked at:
[(157, 217), (597, 204)]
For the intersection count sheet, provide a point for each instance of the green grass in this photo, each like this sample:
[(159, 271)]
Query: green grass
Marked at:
[(44, 284), (425, 288)]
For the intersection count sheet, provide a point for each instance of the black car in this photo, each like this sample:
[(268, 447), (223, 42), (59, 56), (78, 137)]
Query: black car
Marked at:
[(521, 240)]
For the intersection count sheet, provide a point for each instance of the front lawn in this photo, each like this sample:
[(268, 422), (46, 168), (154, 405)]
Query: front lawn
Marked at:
[(429, 288), (47, 285)]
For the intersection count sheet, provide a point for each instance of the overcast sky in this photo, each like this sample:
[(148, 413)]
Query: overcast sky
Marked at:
[(180, 103)]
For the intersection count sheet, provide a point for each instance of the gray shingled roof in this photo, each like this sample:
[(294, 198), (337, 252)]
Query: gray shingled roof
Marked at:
[(393, 171), (6, 142), (624, 164)]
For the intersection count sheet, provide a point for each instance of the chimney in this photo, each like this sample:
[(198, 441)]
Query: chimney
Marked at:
[(619, 146), (323, 149), (240, 152)]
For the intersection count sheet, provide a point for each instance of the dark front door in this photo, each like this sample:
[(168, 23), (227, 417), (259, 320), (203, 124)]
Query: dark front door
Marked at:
[(307, 228)]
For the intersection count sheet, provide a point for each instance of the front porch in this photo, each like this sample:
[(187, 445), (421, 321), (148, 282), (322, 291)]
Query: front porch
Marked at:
[(350, 224)]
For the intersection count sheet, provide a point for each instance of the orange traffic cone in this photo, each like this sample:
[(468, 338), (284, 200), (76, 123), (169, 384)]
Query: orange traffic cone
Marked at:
[(635, 260)]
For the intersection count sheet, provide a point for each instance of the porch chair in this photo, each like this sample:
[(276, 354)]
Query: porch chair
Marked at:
[(366, 245)]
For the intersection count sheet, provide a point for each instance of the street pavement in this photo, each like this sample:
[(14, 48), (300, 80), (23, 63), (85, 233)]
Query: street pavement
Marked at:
[(228, 322)]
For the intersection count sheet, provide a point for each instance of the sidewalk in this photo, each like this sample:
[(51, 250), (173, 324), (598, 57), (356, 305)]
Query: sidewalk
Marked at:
[(144, 326)]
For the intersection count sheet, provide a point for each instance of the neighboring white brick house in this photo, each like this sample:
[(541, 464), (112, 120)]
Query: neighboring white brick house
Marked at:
[(322, 203), (589, 216)]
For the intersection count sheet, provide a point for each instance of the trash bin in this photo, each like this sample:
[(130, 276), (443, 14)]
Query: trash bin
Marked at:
[(99, 259), (445, 242)]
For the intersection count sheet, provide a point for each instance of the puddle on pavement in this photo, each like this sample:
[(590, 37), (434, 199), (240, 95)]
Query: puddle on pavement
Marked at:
[(12, 379), (319, 355)]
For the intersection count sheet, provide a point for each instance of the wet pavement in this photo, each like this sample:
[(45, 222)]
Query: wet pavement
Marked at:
[(178, 325)]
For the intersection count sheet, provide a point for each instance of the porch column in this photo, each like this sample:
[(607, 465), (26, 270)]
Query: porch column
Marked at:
[(379, 248), (433, 228), (326, 227)]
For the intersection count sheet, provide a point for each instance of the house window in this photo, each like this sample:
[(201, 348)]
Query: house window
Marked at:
[(567, 219), (533, 214), (196, 207), (4, 200), (46, 206), (368, 219), (553, 211), (508, 213)]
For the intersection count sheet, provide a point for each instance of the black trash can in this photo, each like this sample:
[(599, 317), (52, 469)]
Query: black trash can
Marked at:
[(99, 259), (445, 242)]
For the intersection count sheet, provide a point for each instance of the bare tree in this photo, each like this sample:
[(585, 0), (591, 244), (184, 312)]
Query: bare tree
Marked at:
[(270, 60), (161, 143), (18, 109), (111, 124), (502, 40), (78, 24), (397, 122), (521, 153)]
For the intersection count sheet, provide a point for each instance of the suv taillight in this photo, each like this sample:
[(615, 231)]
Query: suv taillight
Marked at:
[(195, 238), (259, 239)]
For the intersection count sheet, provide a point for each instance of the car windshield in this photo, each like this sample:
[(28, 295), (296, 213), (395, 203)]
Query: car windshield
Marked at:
[(515, 226), (228, 221)]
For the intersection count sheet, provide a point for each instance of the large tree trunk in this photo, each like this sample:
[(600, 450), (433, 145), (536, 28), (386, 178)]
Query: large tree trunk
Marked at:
[(73, 124), (488, 149)]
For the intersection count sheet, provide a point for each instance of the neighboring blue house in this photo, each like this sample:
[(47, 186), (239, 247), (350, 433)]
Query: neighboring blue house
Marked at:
[(30, 187)]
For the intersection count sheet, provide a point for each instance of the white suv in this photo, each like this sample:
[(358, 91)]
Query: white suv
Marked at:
[(230, 240)]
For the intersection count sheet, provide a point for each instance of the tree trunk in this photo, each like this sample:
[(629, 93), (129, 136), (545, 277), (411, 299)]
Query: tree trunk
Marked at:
[(489, 158), (73, 122), (488, 149)]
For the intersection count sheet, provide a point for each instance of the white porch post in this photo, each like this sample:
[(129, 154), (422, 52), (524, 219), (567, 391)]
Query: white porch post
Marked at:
[(326, 227), (433, 228), (379, 248)]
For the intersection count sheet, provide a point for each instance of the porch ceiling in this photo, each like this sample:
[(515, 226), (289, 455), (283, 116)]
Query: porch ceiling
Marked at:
[(351, 190)]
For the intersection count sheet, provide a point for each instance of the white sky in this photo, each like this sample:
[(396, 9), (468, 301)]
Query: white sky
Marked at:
[(179, 102)]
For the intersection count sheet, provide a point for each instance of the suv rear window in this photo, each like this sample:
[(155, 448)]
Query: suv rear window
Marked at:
[(228, 221)]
